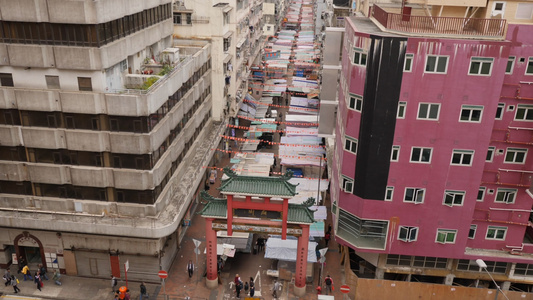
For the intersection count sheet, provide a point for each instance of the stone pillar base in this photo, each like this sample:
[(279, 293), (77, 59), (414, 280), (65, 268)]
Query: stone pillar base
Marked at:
[(211, 284), (299, 291)]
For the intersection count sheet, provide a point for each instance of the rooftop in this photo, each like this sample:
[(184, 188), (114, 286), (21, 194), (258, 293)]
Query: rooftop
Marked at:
[(258, 186)]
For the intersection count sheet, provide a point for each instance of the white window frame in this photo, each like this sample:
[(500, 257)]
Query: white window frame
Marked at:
[(410, 232), (490, 154), (348, 144), (429, 107), (471, 109), (445, 232), (389, 190), (499, 111), (421, 149), (437, 60), (508, 196), (409, 57), (514, 152), (528, 110), (473, 228), (463, 154), (529, 66), (357, 101), (347, 184), (511, 60), (402, 107), (418, 195), (496, 229), (362, 57), (395, 149), (450, 198), (496, 12), (481, 61), (483, 191)]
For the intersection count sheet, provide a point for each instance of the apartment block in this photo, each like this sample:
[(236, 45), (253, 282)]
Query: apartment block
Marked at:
[(105, 118), (432, 165)]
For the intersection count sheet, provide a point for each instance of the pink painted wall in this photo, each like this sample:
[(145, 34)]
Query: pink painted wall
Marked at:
[(451, 90)]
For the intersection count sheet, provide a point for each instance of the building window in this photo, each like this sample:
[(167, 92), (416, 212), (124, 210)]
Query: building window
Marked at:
[(52, 82), (401, 110), (446, 236), (496, 233), (490, 154), (347, 184), (414, 195), (453, 198), (359, 57), (480, 66), (524, 11), (492, 266), (472, 232), (227, 43), (407, 234), (188, 18), (85, 84), (499, 111), (430, 262), (481, 193), (524, 112), (510, 65), (408, 63), (428, 111), (395, 154), (498, 9), (515, 156), (350, 144), (355, 102), (524, 269), (177, 18), (421, 155), (398, 260), (436, 64), (6, 79), (529, 68), (389, 192), (471, 113), (505, 196), (462, 157)]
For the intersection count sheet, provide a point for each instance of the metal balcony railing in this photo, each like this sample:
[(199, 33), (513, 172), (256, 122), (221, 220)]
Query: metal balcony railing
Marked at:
[(440, 25)]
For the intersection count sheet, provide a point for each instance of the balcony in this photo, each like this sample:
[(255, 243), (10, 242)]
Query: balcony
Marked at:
[(451, 26)]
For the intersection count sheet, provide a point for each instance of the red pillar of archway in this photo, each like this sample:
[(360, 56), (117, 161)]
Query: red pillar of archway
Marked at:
[(301, 261), (211, 254)]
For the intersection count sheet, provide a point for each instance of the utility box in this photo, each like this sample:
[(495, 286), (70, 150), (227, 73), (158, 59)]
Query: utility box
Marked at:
[(171, 55)]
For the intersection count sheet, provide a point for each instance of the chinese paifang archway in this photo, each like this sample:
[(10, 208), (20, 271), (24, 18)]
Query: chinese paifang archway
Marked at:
[(239, 213)]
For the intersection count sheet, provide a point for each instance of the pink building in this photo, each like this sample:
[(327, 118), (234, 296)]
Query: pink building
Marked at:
[(433, 162)]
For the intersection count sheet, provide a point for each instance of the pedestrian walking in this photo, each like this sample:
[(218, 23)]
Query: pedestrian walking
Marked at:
[(229, 152), (117, 296), (252, 287), (22, 263), (37, 281), (114, 283), (7, 277), (275, 289), (26, 272), (190, 268), (127, 296), (14, 282), (327, 237), (143, 292), (42, 271), (329, 284), (246, 288), (238, 288)]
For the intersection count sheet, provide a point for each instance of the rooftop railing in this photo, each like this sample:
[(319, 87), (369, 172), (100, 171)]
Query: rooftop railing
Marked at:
[(494, 28)]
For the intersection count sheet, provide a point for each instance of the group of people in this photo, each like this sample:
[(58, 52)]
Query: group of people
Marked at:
[(24, 269), (125, 295), (249, 289)]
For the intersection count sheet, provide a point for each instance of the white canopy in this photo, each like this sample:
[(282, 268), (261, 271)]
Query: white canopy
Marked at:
[(276, 248)]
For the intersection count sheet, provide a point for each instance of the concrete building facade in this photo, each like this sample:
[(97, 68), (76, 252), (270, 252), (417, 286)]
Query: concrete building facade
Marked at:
[(105, 120), (431, 166)]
